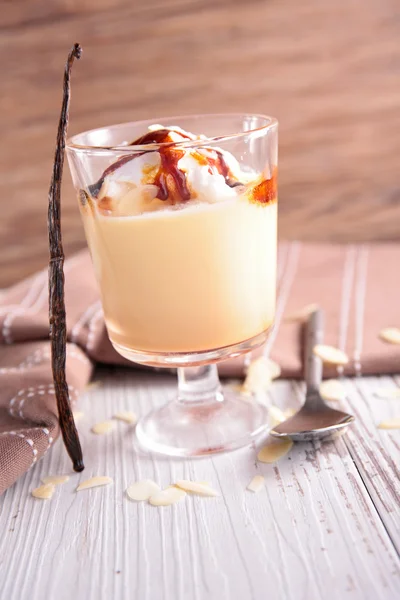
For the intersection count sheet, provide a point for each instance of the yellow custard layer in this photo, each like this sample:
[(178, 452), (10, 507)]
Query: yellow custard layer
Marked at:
[(186, 280)]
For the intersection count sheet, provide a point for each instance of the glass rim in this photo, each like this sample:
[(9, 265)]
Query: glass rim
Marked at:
[(72, 145)]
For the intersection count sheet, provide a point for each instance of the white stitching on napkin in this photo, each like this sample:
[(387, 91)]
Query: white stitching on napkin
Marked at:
[(29, 441), (42, 353), (33, 359), (31, 393), (49, 438), (37, 358), (7, 370)]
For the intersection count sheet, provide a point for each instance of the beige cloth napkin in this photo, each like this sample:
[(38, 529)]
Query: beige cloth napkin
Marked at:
[(357, 286)]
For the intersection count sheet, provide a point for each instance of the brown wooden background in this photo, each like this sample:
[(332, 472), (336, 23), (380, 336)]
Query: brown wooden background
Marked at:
[(329, 70)]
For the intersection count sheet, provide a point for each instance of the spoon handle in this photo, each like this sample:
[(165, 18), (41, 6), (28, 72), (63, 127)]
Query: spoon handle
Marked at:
[(313, 364)]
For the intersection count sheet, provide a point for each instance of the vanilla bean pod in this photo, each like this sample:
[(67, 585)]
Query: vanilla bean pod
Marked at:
[(58, 328)]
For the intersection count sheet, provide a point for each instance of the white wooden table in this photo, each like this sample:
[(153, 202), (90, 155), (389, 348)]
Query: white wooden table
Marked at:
[(326, 526)]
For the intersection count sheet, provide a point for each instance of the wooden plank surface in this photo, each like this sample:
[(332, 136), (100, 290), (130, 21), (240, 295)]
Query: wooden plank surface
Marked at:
[(375, 450), (328, 71), (315, 532)]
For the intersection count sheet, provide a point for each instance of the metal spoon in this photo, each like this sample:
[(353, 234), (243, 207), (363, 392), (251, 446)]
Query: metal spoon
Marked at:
[(315, 420)]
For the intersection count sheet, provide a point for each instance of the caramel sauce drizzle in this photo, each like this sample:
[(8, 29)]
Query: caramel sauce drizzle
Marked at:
[(172, 181), (266, 190)]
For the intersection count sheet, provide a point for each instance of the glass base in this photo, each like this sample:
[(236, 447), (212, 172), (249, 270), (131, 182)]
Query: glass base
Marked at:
[(188, 359), (198, 429)]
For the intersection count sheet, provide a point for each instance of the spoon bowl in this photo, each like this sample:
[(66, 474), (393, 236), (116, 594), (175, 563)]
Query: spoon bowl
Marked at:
[(315, 420), (322, 423)]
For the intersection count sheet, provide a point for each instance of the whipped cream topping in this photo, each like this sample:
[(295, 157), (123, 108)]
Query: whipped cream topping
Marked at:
[(170, 175)]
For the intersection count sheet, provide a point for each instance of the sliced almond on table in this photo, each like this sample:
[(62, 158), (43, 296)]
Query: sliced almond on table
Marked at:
[(104, 427), (273, 367), (387, 393), (55, 479), (195, 487), (233, 384), (256, 484), (142, 490), (301, 314), (390, 424), (266, 363), (126, 416), (275, 415), (260, 375), (206, 483), (44, 492), (93, 384), (390, 335), (238, 387), (167, 497), (289, 412), (330, 354), (332, 389), (94, 482), (274, 449)]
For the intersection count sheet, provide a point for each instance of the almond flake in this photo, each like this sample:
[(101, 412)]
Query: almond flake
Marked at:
[(390, 335), (256, 484), (78, 415), (275, 416), (196, 488), (274, 449), (93, 482), (205, 483), (44, 492), (260, 374), (289, 412), (388, 393), (302, 314), (332, 389), (329, 354), (142, 490), (167, 497), (126, 416), (390, 424), (238, 388), (104, 427), (93, 384), (273, 367), (55, 479)]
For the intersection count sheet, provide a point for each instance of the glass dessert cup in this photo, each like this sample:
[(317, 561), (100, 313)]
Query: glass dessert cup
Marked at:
[(182, 232)]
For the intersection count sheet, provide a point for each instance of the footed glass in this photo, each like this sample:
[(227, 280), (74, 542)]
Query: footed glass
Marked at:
[(182, 225)]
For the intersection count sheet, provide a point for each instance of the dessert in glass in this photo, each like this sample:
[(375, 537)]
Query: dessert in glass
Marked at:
[(182, 231)]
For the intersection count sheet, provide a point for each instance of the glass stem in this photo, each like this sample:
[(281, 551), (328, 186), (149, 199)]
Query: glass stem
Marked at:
[(199, 384)]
